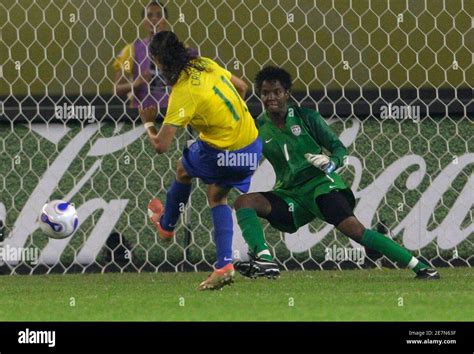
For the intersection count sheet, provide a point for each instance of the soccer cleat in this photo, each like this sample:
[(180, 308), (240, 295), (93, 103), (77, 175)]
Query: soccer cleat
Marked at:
[(247, 269), (155, 211), (219, 278), (427, 274), (258, 267)]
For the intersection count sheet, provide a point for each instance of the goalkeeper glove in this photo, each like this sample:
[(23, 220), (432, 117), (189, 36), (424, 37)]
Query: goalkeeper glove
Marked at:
[(322, 162)]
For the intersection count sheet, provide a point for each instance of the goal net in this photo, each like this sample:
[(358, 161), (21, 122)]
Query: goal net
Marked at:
[(393, 78)]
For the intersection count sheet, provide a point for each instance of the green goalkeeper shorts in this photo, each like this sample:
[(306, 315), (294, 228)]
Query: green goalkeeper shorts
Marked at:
[(296, 207)]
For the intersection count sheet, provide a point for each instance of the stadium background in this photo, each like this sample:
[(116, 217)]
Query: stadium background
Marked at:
[(348, 59)]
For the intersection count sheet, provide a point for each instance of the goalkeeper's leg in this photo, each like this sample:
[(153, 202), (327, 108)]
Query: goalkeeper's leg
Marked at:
[(249, 207), (337, 211)]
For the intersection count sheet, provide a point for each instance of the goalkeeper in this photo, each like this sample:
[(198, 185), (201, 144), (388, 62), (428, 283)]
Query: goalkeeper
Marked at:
[(307, 185)]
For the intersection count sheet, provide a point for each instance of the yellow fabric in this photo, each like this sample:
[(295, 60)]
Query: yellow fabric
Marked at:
[(209, 102), (124, 61)]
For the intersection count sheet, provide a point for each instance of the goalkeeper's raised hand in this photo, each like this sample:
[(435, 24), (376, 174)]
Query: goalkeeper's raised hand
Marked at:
[(322, 162)]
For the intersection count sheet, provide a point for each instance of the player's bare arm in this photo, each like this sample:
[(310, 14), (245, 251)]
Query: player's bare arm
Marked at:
[(239, 85), (159, 140)]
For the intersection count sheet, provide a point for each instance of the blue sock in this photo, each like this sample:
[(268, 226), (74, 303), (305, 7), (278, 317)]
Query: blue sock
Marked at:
[(223, 231), (176, 197)]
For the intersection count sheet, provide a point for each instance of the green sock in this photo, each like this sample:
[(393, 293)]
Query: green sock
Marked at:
[(391, 249), (252, 231)]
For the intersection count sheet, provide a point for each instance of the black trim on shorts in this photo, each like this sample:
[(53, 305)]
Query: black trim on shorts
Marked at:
[(280, 213), (335, 207)]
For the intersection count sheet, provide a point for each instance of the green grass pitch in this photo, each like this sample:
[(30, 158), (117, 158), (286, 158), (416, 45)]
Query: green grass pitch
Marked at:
[(358, 295)]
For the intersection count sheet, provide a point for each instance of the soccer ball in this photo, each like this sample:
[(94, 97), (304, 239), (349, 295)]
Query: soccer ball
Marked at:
[(58, 219)]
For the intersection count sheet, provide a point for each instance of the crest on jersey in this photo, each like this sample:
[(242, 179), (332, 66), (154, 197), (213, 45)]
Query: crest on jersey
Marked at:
[(296, 130)]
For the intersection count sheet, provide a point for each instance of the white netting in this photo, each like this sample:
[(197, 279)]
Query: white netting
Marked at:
[(393, 78)]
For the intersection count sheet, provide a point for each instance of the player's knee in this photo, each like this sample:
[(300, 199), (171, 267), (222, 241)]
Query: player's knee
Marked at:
[(243, 201), (255, 201), (216, 199), (181, 174), (358, 232), (352, 227), (216, 196)]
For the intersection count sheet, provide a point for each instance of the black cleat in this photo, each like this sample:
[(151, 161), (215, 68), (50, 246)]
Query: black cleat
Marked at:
[(258, 268), (427, 274), (246, 268)]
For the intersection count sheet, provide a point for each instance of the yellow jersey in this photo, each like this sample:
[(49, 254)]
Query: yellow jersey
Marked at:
[(209, 102)]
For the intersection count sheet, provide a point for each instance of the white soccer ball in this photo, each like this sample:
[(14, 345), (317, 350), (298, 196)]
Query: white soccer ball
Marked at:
[(58, 219)]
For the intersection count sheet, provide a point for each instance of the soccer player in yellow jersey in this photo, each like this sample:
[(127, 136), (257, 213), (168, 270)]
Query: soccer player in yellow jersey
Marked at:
[(226, 153)]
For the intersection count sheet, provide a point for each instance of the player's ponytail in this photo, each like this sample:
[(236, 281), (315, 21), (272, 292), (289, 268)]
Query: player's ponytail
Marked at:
[(172, 55)]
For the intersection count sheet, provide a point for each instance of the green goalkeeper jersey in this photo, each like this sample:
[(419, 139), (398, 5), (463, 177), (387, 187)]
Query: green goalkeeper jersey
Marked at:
[(304, 132)]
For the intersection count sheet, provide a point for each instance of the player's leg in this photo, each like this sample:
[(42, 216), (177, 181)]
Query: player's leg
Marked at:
[(165, 218), (223, 225), (249, 207), (270, 206), (223, 232), (337, 211), (176, 198)]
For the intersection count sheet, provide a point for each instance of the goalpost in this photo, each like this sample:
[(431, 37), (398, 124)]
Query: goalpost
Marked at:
[(393, 78)]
